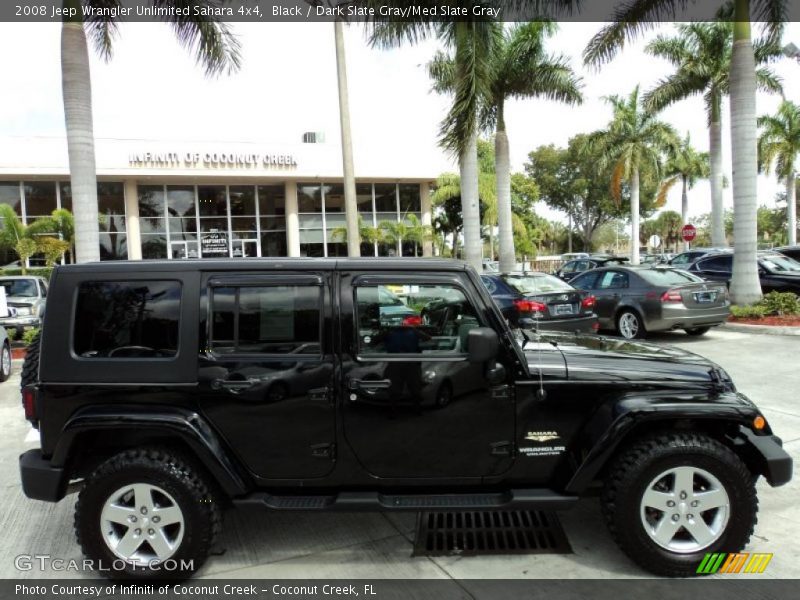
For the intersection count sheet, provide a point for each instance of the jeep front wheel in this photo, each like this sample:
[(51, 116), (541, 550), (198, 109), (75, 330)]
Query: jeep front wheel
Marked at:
[(672, 498), (147, 514)]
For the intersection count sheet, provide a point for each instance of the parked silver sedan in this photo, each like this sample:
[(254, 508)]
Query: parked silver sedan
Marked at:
[(633, 300)]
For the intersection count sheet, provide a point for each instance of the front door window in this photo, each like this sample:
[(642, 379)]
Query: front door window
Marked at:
[(414, 404)]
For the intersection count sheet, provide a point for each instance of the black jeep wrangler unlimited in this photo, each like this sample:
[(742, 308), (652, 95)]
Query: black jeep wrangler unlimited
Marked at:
[(167, 391)]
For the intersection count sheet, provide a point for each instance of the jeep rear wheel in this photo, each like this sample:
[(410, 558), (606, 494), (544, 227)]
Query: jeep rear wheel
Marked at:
[(147, 514), (30, 367), (672, 498)]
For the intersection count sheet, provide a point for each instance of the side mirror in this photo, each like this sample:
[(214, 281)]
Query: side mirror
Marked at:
[(482, 344)]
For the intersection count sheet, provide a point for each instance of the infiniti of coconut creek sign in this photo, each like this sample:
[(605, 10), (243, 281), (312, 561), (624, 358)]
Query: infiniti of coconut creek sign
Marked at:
[(217, 159)]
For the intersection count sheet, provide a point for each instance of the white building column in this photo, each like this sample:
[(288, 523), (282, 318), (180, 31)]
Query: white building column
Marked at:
[(292, 220), (427, 215), (134, 241)]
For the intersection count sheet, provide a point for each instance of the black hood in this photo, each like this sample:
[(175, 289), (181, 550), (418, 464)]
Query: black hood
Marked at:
[(592, 357)]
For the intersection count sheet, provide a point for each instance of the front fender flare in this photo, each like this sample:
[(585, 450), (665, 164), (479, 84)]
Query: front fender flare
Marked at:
[(187, 425), (613, 424)]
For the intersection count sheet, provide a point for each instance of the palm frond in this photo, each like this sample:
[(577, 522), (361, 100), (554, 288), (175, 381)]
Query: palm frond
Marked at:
[(210, 40), (103, 30)]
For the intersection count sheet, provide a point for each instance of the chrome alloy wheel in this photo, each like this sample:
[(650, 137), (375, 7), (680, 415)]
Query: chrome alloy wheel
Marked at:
[(685, 509), (142, 524), (629, 325), (5, 362)]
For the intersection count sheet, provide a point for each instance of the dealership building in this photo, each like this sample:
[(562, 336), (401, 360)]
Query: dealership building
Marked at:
[(160, 199)]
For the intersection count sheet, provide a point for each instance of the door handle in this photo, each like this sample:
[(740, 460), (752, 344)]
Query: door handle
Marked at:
[(233, 385), (370, 384)]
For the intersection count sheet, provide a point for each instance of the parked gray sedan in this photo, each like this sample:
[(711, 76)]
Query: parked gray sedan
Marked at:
[(636, 299)]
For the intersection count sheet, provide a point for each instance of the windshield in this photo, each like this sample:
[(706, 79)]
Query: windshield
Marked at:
[(776, 263), (667, 277), (537, 284), (25, 288)]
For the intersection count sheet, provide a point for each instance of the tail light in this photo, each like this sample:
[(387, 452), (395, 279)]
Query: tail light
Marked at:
[(29, 403), (588, 302), (671, 296), (527, 306), (412, 321), (596, 326)]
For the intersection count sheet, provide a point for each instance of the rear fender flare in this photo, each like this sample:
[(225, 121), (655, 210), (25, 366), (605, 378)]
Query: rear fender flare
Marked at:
[(187, 425), (615, 424)]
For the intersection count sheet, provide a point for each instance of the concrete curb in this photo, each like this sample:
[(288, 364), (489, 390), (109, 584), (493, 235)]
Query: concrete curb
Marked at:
[(761, 329)]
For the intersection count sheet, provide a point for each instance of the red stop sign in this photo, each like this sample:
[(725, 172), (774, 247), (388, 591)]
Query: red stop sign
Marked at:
[(688, 232)]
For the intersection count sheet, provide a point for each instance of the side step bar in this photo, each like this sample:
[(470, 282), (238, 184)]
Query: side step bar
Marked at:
[(530, 499)]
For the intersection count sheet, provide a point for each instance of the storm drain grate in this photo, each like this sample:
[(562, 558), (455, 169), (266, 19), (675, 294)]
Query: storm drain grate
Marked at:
[(489, 532)]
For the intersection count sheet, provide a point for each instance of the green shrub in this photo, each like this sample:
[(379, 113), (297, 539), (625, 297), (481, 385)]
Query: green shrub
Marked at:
[(780, 303), (11, 333), (748, 312), (29, 334)]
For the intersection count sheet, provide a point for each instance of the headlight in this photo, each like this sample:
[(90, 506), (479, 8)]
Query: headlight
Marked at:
[(23, 312), (429, 376)]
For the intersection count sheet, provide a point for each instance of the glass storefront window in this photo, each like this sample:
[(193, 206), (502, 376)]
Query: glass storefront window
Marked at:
[(273, 224), (180, 201), (334, 198), (243, 223), (154, 246), (40, 198), (113, 246), (9, 194), (110, 198), (310, 221), (271, 200), (207, 224), (273, 244), (243, 200), (409, 198), (364, 197), (151, 201), (312, 250), (309, 197), (212, 201), (181, 226), (386, 197)]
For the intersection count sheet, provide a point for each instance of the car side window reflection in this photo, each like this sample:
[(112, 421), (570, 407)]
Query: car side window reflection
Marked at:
[(413, 319), (585, 282), (613, 280)]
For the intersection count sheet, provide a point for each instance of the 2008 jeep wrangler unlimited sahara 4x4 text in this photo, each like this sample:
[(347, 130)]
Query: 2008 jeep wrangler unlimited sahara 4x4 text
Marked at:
[(170, 390)]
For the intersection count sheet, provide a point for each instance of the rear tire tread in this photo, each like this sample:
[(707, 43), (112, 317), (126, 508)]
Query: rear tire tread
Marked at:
[(30, 367)]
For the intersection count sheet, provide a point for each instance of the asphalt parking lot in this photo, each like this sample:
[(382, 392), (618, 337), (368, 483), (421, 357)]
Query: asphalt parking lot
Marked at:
[(258, 544)]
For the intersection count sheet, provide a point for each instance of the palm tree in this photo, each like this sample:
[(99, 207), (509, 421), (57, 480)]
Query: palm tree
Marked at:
[(632, 19), (212, 42), (522, 69), (634, 141), (366, 233), (473, 45), (686, 165), (701, 54), (780, 143)]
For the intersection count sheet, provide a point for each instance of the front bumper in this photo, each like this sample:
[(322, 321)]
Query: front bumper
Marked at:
[(579, 324), (18, 322), (40, 480), (766, 456)]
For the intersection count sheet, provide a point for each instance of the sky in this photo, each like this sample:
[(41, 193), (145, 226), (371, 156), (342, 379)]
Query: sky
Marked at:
[(152, 89)]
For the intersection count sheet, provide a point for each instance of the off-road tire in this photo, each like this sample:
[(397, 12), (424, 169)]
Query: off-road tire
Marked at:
[(30, 367), (697, 331), (171, 472), (635, 468)]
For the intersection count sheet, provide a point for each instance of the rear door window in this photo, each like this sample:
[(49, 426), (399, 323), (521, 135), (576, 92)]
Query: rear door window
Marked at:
[(280, 319), (722, 264), (127, 319), (613, 280)]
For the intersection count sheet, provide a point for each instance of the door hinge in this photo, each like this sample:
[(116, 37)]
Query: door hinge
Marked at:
[(501, 448), (320, 395), (501, 392), (323, 450)]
